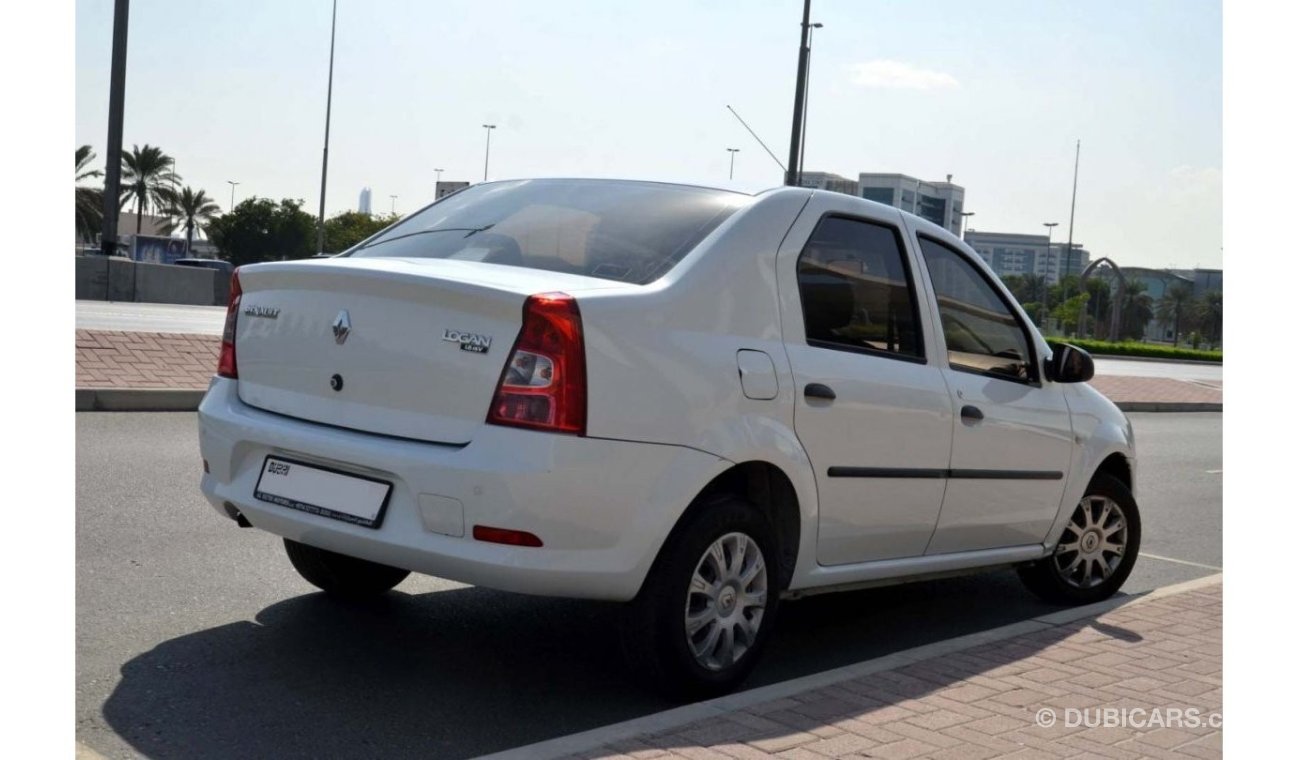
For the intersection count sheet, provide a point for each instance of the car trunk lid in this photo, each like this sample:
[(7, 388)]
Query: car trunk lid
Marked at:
[(411, 348)]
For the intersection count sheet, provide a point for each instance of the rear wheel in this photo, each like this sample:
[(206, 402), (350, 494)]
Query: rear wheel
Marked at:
[(709, 604), (1097, 550), (340, 575)]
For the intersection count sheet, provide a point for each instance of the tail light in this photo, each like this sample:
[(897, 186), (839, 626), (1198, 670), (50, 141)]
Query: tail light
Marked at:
[(505, 536), (544, 384), (226, 366)]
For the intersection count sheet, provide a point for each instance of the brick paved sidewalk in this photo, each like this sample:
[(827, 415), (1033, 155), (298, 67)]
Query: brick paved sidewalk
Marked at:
[(980, 702), (187, 361), (145, 360), (1125, 390)]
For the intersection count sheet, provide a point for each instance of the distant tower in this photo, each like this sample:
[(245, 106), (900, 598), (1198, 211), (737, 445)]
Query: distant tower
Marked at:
[(363, 205)]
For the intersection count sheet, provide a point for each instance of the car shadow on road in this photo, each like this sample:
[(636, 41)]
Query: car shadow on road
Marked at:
[(463, 672)]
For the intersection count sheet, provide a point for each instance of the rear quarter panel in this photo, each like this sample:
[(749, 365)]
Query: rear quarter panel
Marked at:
[(661, 359)]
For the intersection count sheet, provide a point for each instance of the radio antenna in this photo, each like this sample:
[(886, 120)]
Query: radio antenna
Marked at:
[(760, 142)]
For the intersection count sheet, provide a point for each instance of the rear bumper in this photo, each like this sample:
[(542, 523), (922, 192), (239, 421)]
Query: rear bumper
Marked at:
[(601, 507)]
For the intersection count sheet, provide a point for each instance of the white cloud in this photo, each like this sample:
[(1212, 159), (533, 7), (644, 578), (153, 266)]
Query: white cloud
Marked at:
[(900, 75)]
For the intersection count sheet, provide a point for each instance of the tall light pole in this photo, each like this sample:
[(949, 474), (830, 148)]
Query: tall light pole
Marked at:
[(807, 76), (393, 208), (325, 155), (113, 159), (1069, 245), (232, 184), (965, 214), (1043, 288), (733, 151), (438, 179), (801, 76), (488, 150)]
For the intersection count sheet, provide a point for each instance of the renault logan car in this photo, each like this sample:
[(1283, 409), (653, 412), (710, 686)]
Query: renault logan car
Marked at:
[(692, 400)]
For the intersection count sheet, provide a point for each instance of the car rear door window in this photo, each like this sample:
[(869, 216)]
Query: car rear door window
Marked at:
[(980, 330), (856, 290)]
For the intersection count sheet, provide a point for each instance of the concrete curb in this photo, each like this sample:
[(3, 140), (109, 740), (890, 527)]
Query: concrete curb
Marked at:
[(187, 400), (138, 399), (1170, 406), (681, 716)]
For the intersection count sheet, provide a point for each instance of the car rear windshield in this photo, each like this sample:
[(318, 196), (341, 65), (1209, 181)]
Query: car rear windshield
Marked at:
[(626, 231)]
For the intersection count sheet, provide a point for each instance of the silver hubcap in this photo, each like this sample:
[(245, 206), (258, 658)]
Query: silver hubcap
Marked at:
[(724, 607), (1093, 543)]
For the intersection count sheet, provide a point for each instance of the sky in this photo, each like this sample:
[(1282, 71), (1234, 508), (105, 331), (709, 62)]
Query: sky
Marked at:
[(994, 93)]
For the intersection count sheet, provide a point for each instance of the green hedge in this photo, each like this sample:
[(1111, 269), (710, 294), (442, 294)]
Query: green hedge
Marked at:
[(1133, 348)]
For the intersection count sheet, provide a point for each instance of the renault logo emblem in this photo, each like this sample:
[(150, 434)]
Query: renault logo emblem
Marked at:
[(342, 326)]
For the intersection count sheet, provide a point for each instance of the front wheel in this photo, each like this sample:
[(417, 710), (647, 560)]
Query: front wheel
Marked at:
[(709, 604), (1097, 549), (340, 575)]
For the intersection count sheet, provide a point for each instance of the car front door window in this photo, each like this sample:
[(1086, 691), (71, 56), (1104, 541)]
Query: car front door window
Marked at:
[(980, 330)]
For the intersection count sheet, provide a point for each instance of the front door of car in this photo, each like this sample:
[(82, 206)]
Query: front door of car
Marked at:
[(1012, 441), (871, 410)]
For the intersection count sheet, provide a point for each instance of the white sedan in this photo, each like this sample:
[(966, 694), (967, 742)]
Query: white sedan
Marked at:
[(692, 400)]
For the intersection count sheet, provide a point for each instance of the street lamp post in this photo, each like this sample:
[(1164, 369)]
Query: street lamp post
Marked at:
[(393, 208), (807, 76), (965, 214), (232, 184), (116, 105), (325, 154), (796, 122), (488, 150), (1043, 287), (438, 172), (732, 173)]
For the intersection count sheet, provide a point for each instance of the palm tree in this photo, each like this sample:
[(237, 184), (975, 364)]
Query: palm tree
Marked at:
[(1207, 311), (90, 200), (1135, 310), (189, 209), (1173, 305), (146, 176)]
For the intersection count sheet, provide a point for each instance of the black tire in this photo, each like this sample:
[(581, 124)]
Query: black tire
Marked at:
[(1045, 577), (340, 575), (655, 641)]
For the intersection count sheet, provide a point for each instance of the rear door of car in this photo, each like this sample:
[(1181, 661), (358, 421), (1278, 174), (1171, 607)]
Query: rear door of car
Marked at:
[(871, 407), (1012, 439)]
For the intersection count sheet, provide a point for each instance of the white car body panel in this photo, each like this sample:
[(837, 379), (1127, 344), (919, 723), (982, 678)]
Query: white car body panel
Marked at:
[(888, 413), (398, 310), (599, 548), (687, 377)]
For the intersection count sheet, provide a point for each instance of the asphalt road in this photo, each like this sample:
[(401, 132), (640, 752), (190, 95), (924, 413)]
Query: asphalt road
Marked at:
[(1113, 365), (195, 638), (150, 317)]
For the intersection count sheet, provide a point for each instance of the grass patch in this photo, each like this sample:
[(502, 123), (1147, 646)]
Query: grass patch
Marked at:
[(1134, 348)]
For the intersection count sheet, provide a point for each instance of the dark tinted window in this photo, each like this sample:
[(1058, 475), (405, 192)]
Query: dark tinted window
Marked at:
[(625, 231), (980, 330), (856, 290)]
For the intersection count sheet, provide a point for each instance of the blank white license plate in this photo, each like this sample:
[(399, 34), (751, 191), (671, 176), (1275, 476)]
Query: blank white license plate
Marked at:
[(320, 491)]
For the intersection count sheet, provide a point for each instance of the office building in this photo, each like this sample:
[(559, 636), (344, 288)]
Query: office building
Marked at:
[(1012, 253), (442, 189), (829, 181), (363, 204), (938, 202)]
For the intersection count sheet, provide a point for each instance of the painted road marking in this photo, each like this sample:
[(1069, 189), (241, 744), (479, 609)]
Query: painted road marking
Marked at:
[(1180, 561)]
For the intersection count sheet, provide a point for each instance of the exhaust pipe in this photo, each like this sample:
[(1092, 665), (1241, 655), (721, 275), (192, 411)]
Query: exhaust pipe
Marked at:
[(234, 514)]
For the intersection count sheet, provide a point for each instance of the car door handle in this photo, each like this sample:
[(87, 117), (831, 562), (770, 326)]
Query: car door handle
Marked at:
[(971, 414), (817, 390)]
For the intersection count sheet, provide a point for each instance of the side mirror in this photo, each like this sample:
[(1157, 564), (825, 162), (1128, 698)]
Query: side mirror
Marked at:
[(1069, 364)]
